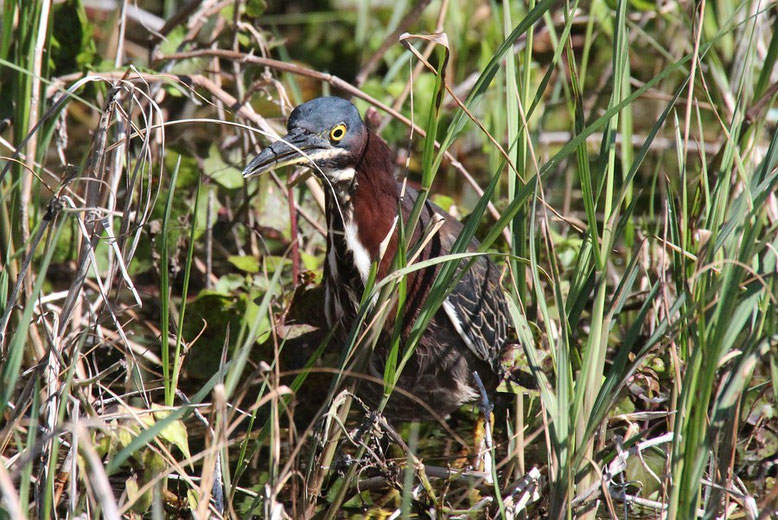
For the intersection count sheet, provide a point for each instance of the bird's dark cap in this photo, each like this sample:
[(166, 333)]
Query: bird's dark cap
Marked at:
[(322, 113), (309, 137)]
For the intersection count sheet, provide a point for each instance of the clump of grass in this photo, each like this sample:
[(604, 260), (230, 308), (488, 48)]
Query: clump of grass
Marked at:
[(619, 160)]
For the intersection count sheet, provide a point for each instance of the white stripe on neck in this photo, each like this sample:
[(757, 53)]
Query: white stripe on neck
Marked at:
[(359, 252), (336, 176)]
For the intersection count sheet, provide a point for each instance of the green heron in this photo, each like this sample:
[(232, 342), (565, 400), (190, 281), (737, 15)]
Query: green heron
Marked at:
[(363, 200)]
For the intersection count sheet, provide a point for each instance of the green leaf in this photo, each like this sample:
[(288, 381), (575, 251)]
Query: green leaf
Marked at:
[(228, 176), (248, 264), (173, 40), (174, 432), (140, 502), (255, 8)]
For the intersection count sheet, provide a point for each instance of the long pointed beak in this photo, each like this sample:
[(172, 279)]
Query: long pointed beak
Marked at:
[(290, 149)]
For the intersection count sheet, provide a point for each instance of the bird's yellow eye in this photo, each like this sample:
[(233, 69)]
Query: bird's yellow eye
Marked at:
[(338, 132)]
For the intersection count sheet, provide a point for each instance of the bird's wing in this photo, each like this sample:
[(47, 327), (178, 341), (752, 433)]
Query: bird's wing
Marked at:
[(476, 308)]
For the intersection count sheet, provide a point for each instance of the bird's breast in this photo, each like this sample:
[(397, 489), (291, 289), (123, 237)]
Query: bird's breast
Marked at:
[(347, 269)]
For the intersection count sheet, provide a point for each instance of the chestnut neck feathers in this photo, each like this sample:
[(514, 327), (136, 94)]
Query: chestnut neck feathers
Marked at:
[(360, 216), (369, 201), (375, 195)]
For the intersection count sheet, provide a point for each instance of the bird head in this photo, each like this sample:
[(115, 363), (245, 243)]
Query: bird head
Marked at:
[(325, 134)]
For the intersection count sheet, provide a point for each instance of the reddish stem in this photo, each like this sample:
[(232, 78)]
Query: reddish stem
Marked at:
[(295, 250)]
